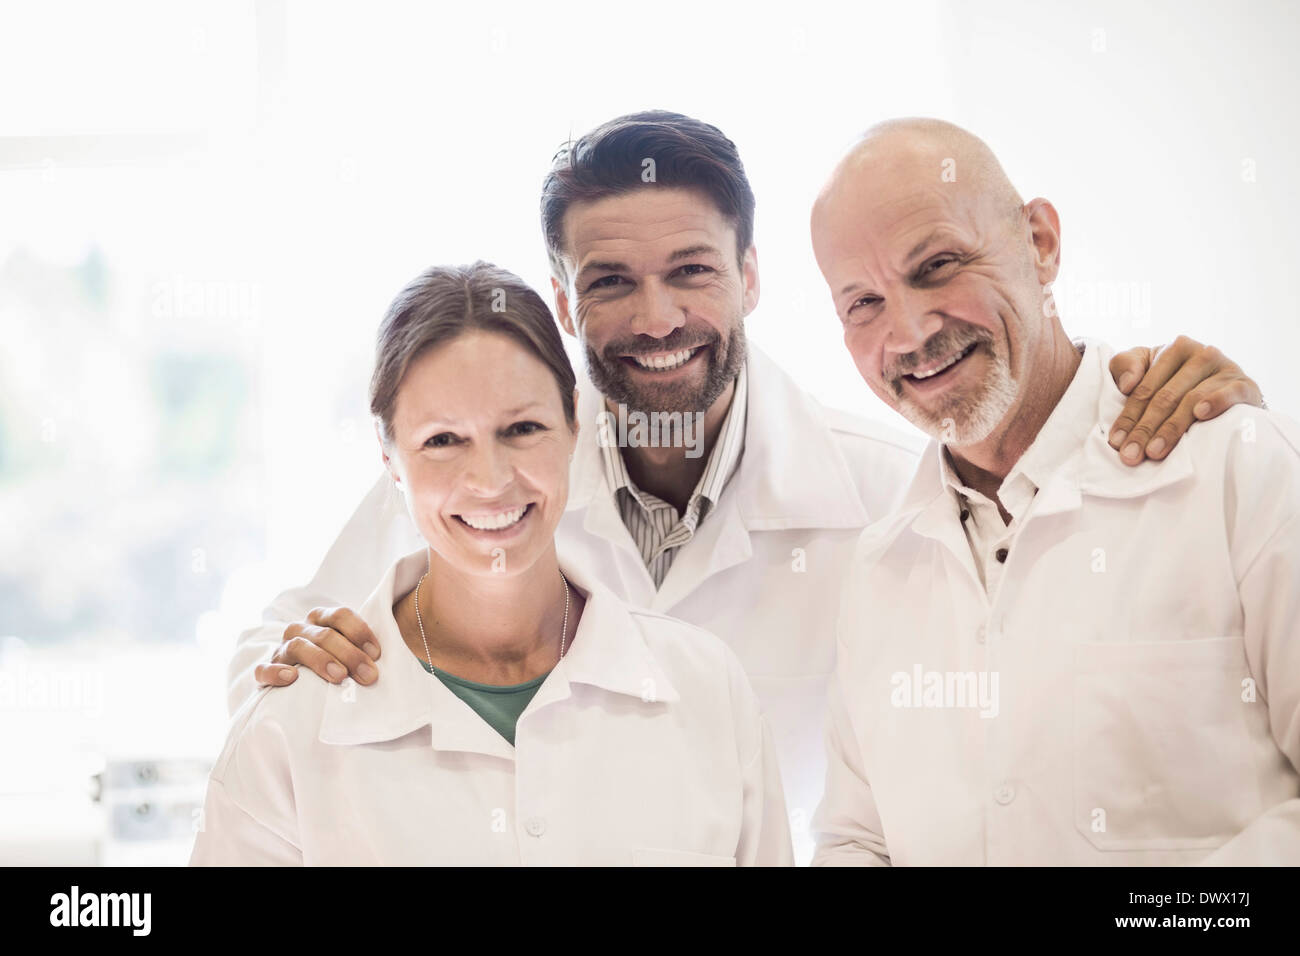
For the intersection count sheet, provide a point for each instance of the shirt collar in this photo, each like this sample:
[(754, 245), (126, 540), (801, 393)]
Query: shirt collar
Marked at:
[(718, 470), (609, 651), (1057, 441), (794, 473), (1092, 467)]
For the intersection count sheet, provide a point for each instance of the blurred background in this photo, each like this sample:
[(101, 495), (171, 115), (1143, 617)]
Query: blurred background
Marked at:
[(206, 207)]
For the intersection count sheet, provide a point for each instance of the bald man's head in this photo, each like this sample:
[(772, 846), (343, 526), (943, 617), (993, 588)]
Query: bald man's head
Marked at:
[(937, 269), (928, 148)]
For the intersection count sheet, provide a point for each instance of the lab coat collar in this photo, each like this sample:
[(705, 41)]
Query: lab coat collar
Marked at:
[(608, 651), (792, 473), (1098, 470), (1094, 468)]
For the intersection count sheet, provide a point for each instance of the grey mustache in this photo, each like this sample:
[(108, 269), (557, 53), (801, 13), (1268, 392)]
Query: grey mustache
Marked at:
[(932, 351)]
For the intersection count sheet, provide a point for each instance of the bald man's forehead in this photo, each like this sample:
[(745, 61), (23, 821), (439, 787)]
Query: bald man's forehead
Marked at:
[(881, 208)]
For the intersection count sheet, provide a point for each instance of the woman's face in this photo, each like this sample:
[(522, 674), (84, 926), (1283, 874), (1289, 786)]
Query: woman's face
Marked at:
[(480, 449)]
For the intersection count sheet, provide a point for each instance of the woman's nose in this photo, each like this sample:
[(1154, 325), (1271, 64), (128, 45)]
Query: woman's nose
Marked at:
[(488, 471)]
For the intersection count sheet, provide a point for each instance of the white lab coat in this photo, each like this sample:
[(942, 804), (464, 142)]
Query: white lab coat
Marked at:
[(1146, 641), (763, 571), (645, 745)]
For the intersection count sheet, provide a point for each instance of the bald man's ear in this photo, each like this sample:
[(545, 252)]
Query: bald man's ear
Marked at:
[(1045, 234), (562, 306)]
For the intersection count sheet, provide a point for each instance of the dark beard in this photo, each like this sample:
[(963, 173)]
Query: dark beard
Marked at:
[(611, 375)]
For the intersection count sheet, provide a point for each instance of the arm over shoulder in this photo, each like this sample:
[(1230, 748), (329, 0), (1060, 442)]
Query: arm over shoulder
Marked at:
[(377, 534)]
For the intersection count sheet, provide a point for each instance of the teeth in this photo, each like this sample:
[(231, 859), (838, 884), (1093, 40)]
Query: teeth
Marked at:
[(662, 362), (935, 371), (494, 522)]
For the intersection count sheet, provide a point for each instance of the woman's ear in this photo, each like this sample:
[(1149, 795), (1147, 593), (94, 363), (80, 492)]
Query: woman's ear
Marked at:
[(383, 453)]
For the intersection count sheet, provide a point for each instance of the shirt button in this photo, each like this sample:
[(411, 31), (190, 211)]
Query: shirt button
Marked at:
[(1005, 793), (535, 826), (1001, 555), (980, 634)]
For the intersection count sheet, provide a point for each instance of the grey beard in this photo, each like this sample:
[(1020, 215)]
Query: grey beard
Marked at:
[(967, 419)]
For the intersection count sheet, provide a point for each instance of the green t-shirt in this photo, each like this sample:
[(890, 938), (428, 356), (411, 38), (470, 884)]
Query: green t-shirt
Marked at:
[(499, 706)]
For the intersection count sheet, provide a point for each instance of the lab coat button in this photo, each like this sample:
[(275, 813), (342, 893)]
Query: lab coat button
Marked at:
[(535, 826), (980, 635), (1005, 793)]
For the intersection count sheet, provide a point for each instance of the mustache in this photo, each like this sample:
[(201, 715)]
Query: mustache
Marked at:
[(938, 346), (674, 341)]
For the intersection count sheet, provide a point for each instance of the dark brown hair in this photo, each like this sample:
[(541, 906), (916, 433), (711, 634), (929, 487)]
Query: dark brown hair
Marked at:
[(444, 302), (611, 159)]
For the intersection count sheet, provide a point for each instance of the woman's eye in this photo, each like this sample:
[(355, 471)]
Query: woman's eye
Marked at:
[(524, 428), (441, 440)]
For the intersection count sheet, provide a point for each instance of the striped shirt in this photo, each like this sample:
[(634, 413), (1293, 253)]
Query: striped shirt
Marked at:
[(654, 524)]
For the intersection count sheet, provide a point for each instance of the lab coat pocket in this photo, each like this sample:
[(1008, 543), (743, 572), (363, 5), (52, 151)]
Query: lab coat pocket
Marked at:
[(1158, 735), (648, 857)]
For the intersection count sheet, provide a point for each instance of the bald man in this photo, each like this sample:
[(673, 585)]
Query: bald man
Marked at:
[(1021, 678)]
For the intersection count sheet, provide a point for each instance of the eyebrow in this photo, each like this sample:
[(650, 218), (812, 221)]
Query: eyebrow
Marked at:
[(921, 246), (696, 250), (438, 421), (936, 236), (522, 408), (603, 267), (675, 256)]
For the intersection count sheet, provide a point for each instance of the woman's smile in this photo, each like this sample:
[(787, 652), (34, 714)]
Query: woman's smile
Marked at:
[(498, 525)]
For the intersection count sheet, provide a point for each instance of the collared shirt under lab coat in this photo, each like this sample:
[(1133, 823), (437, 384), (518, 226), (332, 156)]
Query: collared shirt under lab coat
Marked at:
[(1145, 636), (645, 745), (763, 571)]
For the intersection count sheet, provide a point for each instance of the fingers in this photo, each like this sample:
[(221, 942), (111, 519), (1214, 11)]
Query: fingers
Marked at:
[(1168, 434), (1178, 369), (1221, 392), (348, 624), (1168, 415), (1208, 399), (1127, 368), (301, 649), (275, 675), (325, 651)]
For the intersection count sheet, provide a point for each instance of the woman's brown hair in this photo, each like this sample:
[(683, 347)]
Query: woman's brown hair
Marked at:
[(445, 302)]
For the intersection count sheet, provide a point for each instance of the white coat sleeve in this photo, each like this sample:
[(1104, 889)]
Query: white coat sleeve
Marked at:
[(846, 825), (233, 837), (1263, 508), (377, 534), (249, 816), (765, 827)]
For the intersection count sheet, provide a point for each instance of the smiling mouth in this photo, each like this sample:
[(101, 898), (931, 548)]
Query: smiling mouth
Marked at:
[(940, 368), (662, 361), (497, 521)]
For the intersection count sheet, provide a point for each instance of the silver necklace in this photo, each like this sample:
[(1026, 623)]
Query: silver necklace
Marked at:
[(564, 628)]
